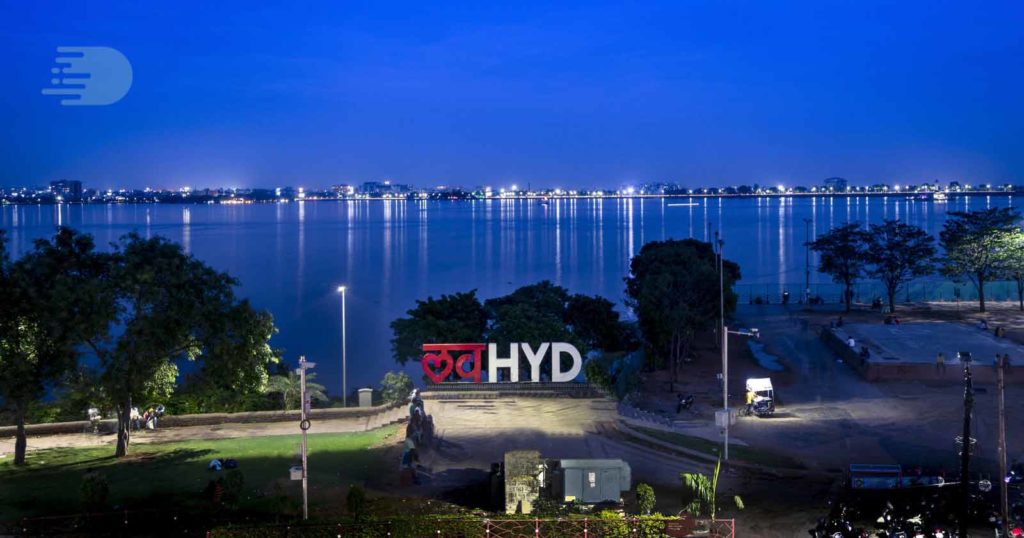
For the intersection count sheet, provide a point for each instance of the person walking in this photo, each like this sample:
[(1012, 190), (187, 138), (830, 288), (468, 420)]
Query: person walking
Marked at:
[(940, 364), (750, 401)]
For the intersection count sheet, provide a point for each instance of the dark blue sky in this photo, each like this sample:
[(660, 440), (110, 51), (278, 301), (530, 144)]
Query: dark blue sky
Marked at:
[(719, 92)]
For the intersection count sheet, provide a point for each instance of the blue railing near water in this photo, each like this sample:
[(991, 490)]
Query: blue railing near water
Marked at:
[(923, 290)]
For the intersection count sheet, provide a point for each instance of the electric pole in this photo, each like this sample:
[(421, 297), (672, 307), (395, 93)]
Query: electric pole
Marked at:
[(807, 261), (1004, 502), (965, 443), (304, 425)]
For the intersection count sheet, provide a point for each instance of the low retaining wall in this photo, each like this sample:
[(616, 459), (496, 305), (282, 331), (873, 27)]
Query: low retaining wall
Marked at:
[(208, 419), (523, 389)]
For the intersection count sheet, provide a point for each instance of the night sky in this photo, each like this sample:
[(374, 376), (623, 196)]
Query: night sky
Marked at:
[(475, 93)]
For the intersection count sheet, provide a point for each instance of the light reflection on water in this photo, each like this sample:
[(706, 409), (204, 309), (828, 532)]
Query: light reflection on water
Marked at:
[(291, 257)]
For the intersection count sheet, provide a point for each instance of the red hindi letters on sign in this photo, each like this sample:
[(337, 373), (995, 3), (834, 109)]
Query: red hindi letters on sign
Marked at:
[(438, 362)]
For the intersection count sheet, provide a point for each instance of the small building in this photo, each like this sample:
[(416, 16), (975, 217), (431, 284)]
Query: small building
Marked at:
[(588, 482), (591, 481)]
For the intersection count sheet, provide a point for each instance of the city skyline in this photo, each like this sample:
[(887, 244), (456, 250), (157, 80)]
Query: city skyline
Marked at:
[(554, 96)]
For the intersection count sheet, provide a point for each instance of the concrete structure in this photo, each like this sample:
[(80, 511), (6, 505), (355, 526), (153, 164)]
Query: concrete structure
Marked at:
[(524, 473), (365, 397), (591, 481), (909, 350)]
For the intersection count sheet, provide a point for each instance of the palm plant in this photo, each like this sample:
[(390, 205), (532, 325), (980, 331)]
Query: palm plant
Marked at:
[(290, 388)]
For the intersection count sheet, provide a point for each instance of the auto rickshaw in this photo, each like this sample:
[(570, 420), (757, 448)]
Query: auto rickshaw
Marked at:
[(763, 404)]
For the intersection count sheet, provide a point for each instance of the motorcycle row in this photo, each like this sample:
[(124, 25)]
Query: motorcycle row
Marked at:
[(918, 521)]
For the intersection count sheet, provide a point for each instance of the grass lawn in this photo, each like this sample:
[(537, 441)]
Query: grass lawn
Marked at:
[(711, 448), (177, 472)]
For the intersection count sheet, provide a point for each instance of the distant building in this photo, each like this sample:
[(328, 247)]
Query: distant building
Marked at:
[(68, 190), (343, 190), (376, 189), (836, 184)]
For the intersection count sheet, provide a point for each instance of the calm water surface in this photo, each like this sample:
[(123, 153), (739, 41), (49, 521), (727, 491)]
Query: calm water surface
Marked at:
[(290, 258)]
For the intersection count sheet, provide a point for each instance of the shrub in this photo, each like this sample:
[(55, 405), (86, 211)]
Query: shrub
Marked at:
[(355, 502), (596, 372), (95, 490), (395, 387), (234, 483), (645, 498)]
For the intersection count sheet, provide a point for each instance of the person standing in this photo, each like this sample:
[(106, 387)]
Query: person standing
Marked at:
[(940, 364)]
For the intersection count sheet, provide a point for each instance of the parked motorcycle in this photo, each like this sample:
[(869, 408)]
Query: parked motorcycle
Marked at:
[(837, 525)]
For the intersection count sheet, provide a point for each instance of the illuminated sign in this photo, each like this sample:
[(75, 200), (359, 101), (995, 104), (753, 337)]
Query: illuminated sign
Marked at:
[(440, 361)]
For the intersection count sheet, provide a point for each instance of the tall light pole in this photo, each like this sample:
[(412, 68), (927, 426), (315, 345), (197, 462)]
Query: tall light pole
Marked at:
[(1003, 500), (966, 443), (807, 260), (344, 352), (304, 425), (726, 412), (721, 287)]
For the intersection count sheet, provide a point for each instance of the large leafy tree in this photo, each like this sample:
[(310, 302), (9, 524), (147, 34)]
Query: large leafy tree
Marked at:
[(1012, 263), (897, 253), (173, 308), (55, 297), (595, 322), (673, 288), (975, 243), (842, 253), (459, 317), (531, 314), (534, 314)]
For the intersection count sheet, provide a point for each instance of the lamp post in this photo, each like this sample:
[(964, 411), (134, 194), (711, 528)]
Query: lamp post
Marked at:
[(807, 260), (726, 413), (966, 443), (304, 425), (344, 352)]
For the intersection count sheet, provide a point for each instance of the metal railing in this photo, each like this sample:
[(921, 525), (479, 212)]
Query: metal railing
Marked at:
[(922, 290)]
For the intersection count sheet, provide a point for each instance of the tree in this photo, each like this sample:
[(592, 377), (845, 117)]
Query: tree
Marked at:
[(290, 388), (238, 355), (395, 387), (172, 308), (896, 253), (52, 302), (595, 323), (975, 242), (842, 256), (702, 491), (1012, 263), (645, 499), (673, 288), (451, 318)]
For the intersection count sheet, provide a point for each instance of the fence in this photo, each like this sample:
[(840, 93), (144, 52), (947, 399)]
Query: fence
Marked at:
[(924, 290), (645, 527)]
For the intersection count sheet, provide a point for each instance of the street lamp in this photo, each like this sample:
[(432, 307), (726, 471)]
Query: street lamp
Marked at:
[(304, 425), (344, 351), (726, 414)]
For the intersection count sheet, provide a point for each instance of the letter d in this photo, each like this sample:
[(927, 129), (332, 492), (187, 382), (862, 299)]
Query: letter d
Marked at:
[(556, 362)]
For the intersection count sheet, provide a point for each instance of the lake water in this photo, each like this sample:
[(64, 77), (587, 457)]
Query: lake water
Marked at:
[(291, 257)]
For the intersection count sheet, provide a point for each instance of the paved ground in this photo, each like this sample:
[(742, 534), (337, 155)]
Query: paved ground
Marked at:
[(920, 342), (182, 433)]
